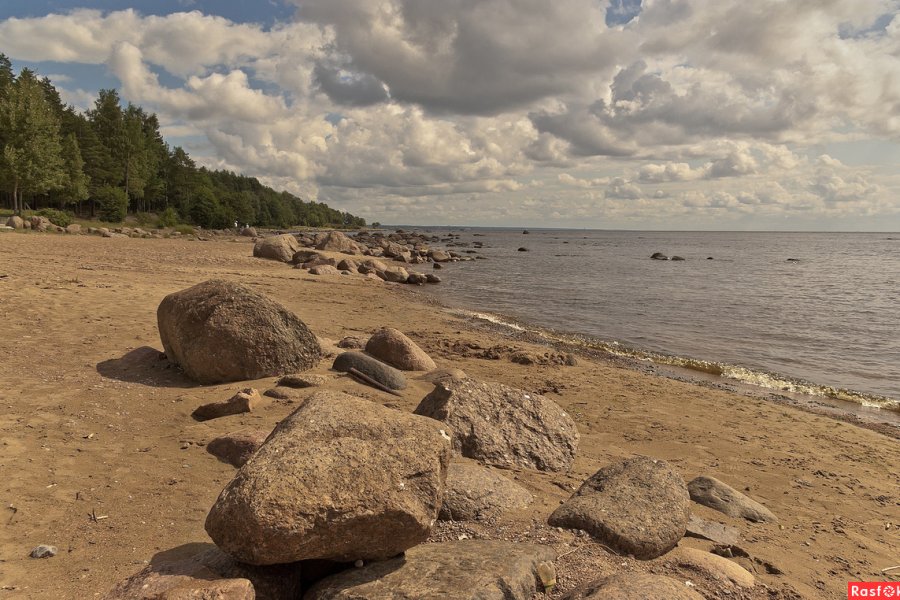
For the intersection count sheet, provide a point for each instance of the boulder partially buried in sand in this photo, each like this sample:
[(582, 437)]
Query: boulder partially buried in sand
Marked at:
[(393, 347), (339, 479), (236, 448), (474, 492), (384, 374), (464, 570), (277, 247), (638, 506), (634, 586), (220, 331), (502, 426), (711, 492)]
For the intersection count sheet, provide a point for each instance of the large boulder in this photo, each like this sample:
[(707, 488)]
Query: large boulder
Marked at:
[(277, 247), (474, 492), (466, 570), (502, 426), (638, 506), (203, 572), (15, 222), (384, 374), (719, 496), (339, 479), (335, 241), (394, 274), (393, 347), (439, 256), (219, 331), (634, 586)]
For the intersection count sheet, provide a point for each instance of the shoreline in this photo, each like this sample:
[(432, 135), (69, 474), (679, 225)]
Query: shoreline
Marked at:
[(94, 423)]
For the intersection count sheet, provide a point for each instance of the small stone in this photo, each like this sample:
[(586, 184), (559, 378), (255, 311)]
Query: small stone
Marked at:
[(242, 402), (43, 551)]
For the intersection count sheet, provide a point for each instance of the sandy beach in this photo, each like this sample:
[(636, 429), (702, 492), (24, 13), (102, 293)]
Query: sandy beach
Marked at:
[(101, 458)]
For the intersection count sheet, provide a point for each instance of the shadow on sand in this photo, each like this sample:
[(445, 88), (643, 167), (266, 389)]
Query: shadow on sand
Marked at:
[(147, 366)]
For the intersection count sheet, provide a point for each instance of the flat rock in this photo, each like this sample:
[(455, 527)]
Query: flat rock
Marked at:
[(502, 426), (283, 392), (638, 506), (714, 532), (442, 375), (635, 586), (719, 496), (220, 331), (712, 565), (324, 270), (203, 572), (474, 492), (396, 349), (339, 479), (465, 570), (277, 247), (237, 447), (374, 368), (300, 381), (352, 342), (242, 402)]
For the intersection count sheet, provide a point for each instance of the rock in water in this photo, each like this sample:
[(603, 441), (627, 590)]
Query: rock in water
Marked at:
[(339, 479), (365, 364), (220, 331), (236, 448), (466, 570), (503, 426), (474, 492), (634, 586), (277, 247), (639, 506), (719, 496), (394, 348), (659, 256)]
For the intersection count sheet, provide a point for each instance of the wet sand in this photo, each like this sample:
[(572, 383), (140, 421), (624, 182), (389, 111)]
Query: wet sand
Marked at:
[(94, 425)]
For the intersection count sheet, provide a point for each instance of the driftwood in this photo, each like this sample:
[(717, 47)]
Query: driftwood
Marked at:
[(376, 384)]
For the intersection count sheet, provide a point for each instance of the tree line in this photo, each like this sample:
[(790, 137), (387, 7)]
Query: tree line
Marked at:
[(112, 160)]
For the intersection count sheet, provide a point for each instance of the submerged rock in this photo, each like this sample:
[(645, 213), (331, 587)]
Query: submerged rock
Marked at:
[(659, 256)]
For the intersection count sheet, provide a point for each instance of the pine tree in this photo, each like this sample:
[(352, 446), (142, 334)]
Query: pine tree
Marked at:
[(75, 186)]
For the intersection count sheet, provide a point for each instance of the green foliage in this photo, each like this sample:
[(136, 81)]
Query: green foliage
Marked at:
[(185, 229), (57, 217), (113, 203), (75, 182), (146, 219), (168, 217)]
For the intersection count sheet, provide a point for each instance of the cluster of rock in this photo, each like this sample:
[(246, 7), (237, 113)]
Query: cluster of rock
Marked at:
[(370, 251), (43, 225), (336, 502), (661, 256)]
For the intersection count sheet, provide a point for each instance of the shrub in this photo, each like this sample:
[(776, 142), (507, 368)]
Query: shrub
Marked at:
[(168, 217), (185, 229), (146, 219), (57, 217), (113, 203)]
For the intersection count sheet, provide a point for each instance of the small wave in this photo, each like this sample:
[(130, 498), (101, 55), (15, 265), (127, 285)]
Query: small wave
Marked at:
[(744, 375)]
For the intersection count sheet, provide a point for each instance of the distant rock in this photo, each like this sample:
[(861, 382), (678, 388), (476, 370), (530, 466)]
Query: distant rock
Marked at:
[(474, 492), (439, 256), (396, 349), (394, 274), (73, 228), (16, 222), (634, 586), (464, 570), (348, 264), (236, 448), (659, 256), (335, 241), (242, 402), (352, 342), (793, 260), (719, 496), (248, 232), (432, 278), (437, 266), (220, 331), (324, 270), (374, 368), (638, 506), (43, 551), (502, 426), (676, 258), (339, 479), (523, 249), (442, 375), (277, 247)]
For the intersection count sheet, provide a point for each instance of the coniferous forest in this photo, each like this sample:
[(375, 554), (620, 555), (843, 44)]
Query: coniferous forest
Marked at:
[(112, 161)]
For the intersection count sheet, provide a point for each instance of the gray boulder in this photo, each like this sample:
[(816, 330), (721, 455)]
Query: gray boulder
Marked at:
[(339, 479), (219, 331), (502, 426), (638, 506), (393, 347), (474, 492), (465, 570), (365, 364), (719, 496), (277, 247)]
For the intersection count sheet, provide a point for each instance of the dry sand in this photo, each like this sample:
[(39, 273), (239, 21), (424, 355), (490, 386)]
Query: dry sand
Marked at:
[(93, 423)]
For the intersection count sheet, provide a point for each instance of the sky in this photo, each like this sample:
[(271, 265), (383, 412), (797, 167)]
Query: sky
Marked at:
[(609, 114)]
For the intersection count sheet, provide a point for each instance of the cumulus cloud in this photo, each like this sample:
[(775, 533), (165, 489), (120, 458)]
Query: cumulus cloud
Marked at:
[(661, 112)]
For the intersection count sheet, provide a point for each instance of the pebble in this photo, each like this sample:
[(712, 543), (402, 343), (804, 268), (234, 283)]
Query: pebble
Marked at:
[(43, 551)]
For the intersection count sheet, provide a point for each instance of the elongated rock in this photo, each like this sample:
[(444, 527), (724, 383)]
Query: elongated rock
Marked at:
[(374, 368), (339, 479), (719, 496)]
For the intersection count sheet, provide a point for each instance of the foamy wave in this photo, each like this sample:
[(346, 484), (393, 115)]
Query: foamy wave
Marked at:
[(489, 318)]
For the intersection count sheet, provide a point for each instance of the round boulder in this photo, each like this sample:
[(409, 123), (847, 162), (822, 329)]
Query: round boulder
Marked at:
[(219, 331), (339, 479), (638, 506), (277, 247), (393, 347)]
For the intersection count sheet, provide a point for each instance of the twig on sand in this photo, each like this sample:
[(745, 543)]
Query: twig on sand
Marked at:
[(890, 569), (376, 384)]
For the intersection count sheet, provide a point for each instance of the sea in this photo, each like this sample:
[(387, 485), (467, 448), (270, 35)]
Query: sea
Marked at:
[(816, 314)]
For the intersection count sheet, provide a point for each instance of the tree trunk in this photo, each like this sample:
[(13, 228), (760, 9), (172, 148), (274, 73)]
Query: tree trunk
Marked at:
[(16, 209)]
